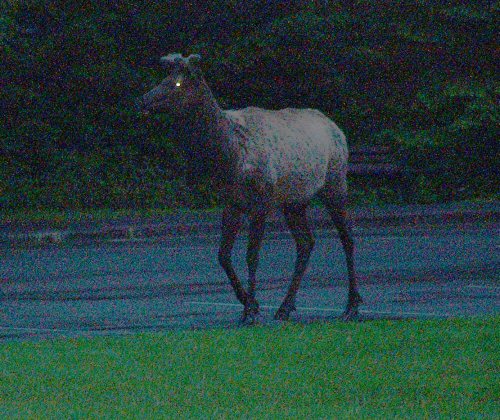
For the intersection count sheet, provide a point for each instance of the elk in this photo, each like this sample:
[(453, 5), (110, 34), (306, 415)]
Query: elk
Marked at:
[(262, 160)]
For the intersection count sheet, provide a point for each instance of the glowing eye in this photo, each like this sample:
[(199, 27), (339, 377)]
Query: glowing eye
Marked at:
[(178, 84)]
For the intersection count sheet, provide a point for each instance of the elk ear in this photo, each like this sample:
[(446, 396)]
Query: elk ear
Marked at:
[(193, 62), (193, 59), (172, 61)]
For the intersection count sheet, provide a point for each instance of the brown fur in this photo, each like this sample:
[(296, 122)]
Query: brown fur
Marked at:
[(265, 160)]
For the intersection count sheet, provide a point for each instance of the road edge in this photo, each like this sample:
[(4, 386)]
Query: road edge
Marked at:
[(208, 223)]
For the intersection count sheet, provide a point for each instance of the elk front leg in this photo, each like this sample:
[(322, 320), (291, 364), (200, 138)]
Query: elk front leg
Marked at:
[(256, 233), (231, 224)]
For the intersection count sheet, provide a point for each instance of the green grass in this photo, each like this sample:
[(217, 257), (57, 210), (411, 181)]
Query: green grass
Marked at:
[(381, 369)]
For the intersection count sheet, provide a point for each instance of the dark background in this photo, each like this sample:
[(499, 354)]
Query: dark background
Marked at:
[(417, 76)]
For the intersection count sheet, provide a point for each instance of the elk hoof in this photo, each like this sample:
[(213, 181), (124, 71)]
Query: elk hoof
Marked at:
[(283, 313), (354, 299), (350, 314), (250, 313), (248, 320)]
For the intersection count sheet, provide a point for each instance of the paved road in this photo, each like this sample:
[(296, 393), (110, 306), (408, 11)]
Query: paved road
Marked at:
[(443, 270)]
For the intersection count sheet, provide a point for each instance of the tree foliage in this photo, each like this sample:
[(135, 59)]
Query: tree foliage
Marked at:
[(414, 74)]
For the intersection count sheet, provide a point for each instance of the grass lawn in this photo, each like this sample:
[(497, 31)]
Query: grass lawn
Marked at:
[(379, 369)]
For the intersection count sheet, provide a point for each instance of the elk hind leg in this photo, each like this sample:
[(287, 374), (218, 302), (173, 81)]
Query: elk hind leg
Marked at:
[(336, 207)]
